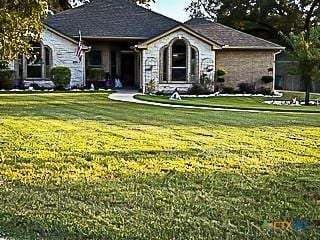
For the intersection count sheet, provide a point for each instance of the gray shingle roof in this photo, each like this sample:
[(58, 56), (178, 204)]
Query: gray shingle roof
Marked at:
[(123, 19), (111, 18), (226, 36)]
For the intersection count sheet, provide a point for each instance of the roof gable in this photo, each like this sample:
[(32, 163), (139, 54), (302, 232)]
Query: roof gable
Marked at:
[(111, 18), (229, 37), (182, 28)]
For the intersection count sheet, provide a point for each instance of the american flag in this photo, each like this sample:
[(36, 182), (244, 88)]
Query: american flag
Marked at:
[(79, 50)]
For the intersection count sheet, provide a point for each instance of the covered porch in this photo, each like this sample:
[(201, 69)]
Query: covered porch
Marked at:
[(117, 58)]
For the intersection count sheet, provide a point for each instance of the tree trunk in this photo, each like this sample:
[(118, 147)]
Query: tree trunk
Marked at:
[(308, 89)]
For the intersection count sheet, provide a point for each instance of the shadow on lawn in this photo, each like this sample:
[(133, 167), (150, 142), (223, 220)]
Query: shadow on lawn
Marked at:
[(175, 205), (99, 108)]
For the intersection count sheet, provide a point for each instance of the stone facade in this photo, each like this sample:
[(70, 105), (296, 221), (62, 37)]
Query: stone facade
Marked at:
[(64, 54), (246, 66), (241, 65), (152, 57)]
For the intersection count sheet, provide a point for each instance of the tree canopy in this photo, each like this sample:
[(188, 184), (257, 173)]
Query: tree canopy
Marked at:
[(20, 22), (263, 18), (305, 49)]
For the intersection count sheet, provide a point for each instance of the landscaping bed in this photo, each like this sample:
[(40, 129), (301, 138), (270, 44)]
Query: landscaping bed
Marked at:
[(239, 102)]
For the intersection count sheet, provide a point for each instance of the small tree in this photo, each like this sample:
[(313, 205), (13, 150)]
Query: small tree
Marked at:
[(305, 49)]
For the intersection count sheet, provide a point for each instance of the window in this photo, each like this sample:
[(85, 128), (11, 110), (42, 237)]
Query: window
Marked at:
[(37, 65), (20, 66), (179, 61), (176, 64), (165, 64), (95, 58), (34, 68), (194, 63), (48, 61)]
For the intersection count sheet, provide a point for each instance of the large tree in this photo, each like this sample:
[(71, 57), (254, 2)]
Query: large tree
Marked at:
[(263, 18), (305, 49), (20, 22)]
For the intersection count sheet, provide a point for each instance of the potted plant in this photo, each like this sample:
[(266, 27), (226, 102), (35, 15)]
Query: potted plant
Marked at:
[(96, 76), (267, 79)]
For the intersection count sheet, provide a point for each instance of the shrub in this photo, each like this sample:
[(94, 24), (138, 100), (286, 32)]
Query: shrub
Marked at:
[(220, 75), (267, 79), (160, 93), (35, 86), (197, 89), (220, 80), (96, 74), (264, 91), (248, 88), (60, 76), (229, 90), (7, 79), (221, 72), (3, 65)]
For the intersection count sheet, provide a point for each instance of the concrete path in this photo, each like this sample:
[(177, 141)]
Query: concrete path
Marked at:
[(128, 96)]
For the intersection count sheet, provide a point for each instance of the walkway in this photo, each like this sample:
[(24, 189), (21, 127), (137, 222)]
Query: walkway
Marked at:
[(128, 96)]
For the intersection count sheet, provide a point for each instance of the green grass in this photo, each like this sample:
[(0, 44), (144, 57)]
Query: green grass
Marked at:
[(79, 166), (248, 103)]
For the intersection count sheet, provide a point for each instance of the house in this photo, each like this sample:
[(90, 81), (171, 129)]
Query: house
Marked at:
[(147, 49)]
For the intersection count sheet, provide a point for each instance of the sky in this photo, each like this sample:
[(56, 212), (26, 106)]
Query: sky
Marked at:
[(172, 8)]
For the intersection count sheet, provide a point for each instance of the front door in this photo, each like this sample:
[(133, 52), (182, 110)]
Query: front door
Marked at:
[(128, 69)]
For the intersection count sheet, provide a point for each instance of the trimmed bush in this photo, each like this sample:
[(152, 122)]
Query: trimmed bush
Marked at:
[(267, 79), (229, 90), (221, 72), (96, 74), (3, 65), (264, 91), (197, 89), (7, 79), (246, 88), (35, 86), (220, 80), (60, 76), (220, 75)]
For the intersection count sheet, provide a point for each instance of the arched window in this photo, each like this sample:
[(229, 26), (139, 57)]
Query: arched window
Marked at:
[(39, 62), (179, 61)]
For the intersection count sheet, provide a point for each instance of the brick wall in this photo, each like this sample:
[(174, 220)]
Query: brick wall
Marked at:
[(245, 66)]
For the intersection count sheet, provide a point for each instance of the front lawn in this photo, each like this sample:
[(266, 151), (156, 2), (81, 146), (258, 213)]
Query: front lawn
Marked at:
[(249, 103), (79, 166)]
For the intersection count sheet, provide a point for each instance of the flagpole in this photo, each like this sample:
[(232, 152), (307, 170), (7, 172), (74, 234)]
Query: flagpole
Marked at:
[(82, 62)]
